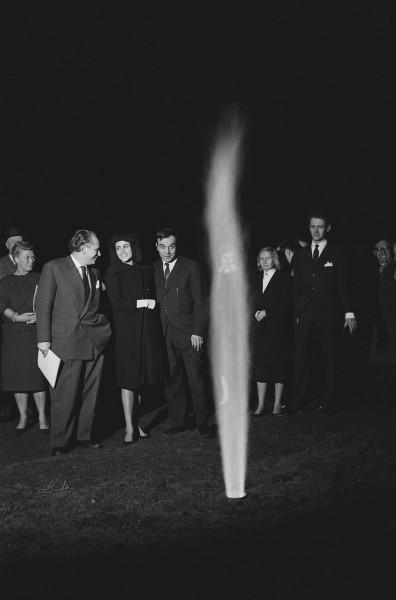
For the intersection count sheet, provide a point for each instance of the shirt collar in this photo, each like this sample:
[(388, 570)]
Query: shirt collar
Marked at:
[(269, 273), (171, 264), (76, 262), (321, 244)]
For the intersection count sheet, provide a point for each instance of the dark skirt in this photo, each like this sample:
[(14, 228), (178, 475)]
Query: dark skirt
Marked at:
[(19, 370), (270, 360)]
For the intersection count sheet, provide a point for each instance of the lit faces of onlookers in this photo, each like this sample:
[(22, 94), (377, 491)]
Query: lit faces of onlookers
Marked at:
[(25, 261), (266, 260), (167, 249), (382, 252), (318, 229), (124, 251), (90, 251)]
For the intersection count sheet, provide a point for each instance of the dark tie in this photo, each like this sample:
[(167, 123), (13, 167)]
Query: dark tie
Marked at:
[(167, 272), (86, 283), (315, 255)]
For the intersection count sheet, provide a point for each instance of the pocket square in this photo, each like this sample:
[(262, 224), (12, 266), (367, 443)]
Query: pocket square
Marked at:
[(98, 284), (329, 264)]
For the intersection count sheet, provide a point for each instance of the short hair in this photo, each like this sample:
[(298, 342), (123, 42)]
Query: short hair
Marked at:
[(130, 237), (20, 246), (80, 238), (165, 232), (275, 256), (318, 213)]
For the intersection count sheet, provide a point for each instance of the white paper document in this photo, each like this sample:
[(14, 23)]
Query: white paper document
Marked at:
[(49, 366)]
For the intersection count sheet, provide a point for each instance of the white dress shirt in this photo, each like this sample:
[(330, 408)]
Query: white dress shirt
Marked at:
[(267, 276)]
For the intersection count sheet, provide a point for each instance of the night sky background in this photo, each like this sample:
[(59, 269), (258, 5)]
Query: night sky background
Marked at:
[(109, 110)]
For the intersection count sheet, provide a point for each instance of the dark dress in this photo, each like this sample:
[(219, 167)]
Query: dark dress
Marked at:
[(19, 370), (271, 337), (139, 346)]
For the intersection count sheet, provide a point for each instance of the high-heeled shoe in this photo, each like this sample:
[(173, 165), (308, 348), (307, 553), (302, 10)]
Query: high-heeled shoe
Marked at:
[(257, 415), (18, 431), (135, 438), (144, 435)]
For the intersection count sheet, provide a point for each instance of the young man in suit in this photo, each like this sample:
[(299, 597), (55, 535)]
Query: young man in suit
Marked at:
[(69, 322), (182, 299), (322, 308)]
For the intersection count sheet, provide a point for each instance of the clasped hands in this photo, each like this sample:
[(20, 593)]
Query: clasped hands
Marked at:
[(260, 315), (145, 303)]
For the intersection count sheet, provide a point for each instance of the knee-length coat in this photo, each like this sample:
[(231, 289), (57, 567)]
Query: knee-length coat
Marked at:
[(271, 337), (139, 347)]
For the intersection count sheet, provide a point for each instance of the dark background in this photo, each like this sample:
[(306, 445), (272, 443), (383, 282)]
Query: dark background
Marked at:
[(109, 110)]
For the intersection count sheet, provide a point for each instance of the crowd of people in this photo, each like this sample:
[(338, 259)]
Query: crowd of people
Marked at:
[(303, 310)]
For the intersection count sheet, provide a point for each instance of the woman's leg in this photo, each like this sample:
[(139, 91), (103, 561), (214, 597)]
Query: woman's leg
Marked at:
[(128, 401), (261, 390), (21, 399), (40, 398), (278, 398)]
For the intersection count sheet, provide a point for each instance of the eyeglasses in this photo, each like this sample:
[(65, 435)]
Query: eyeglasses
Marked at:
[(382, 249)]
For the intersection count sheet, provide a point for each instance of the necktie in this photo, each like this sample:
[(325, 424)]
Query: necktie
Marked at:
[(86, 283), (167, 272), (315, 254)]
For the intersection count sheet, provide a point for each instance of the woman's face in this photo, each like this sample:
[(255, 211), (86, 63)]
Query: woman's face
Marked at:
[(124, 251), (25, 261), (266, 260)]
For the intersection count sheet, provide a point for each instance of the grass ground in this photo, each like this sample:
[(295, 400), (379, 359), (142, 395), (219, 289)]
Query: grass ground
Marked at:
[(152, 520)]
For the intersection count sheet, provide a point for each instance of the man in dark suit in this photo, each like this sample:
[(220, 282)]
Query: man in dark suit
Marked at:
[(182, 299), (322, 307), (69, 322)]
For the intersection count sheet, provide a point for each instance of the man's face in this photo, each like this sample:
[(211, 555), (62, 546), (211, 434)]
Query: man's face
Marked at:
[(266, 260), (10, 243), (167, 248), (90, 251), (382, 252), (318, 229)]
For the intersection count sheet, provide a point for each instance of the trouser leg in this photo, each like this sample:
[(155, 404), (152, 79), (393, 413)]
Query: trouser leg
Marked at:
[(91, 382)]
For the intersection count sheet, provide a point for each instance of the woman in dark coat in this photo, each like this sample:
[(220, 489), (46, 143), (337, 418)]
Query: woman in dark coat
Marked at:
[(271, 328), (19, 371), (137, 329)]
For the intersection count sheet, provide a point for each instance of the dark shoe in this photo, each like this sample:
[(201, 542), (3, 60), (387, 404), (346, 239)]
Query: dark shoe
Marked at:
[(58, 451), (135, 438), (206, 432), (174, 430), (258, 415), (146, 435), (87, 444), (21, 430)]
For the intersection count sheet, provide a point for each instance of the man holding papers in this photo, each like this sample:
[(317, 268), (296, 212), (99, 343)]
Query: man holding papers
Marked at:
[(69, 322)]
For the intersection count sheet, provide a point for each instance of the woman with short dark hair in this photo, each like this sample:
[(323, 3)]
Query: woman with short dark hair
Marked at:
[(19, 371), (139, 350)]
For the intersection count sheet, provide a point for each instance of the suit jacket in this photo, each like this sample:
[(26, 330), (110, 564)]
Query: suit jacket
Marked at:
[(72, 326), (7, 267), (321, 290), (276, 301), (183, 302)]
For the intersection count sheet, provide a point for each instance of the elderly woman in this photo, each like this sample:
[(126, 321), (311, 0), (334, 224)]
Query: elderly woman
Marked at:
[(271, 327), (19, 371), (138, 336)]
